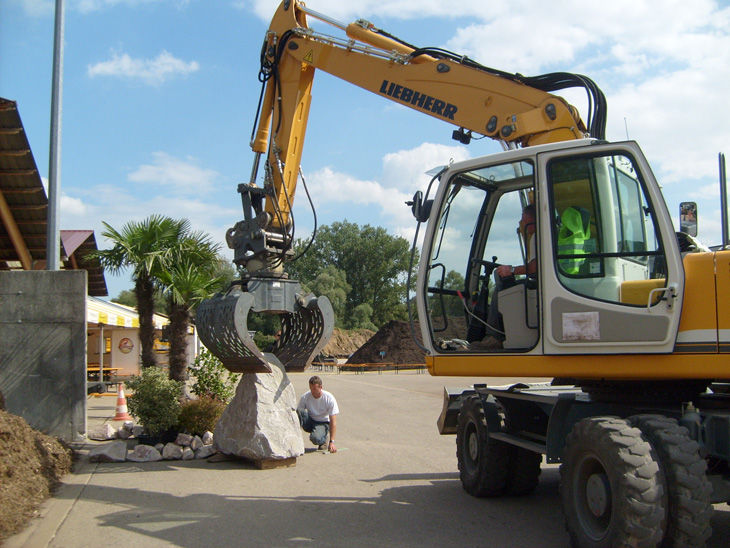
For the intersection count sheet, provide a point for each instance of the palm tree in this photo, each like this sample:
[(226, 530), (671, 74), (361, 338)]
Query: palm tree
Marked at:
[(146, 247), (188, 278)]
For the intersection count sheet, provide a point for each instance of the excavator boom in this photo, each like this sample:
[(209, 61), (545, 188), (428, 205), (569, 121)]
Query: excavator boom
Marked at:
[(478, 100)]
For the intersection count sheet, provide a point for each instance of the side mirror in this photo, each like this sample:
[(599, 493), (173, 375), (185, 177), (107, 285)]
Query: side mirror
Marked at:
[(421, 210), (688, 218)]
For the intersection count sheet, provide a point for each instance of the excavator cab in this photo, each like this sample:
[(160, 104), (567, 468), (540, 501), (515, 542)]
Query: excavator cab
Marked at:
[(608, 275)]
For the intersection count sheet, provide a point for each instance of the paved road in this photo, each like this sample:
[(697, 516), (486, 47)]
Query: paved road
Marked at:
[(394, 482)]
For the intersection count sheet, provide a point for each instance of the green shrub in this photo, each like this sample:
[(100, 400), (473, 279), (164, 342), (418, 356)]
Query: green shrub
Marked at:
[(198, 416), (154, 400), (212, 380)]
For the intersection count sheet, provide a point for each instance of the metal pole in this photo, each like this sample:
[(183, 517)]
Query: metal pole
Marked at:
[(53, 251), (102, 348), (723, 201)]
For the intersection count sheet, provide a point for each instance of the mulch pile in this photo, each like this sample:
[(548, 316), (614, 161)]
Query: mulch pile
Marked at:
[(31, 465), (395, 339), (344, 343)]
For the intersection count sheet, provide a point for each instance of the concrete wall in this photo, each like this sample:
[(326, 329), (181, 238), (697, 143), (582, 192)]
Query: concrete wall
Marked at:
[(43, 349)]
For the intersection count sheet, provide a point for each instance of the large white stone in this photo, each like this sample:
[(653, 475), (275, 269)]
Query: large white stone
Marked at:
[(115, 451), (261, 421), (205, 451), (144, 453), (184, 439), (172, 451), (102, 433)]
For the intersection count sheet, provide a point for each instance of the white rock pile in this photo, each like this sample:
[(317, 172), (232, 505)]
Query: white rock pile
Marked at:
[(185, 446)]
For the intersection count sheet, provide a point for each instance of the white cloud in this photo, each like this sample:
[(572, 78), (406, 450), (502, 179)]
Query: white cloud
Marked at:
[(72, 207), (150, 71), (403, 173), (86, 208), (401, 9), (404, 169), (184, 175)]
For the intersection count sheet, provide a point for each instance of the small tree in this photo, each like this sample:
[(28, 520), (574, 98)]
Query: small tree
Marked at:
[(360, 318), (155, 400), (187, 279), (143, 246), (333, 283)]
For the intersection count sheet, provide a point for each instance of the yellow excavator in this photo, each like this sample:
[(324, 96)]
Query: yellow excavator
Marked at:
[(594, 288)]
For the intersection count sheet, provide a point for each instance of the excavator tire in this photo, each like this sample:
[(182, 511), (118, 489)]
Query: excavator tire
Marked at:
[(688, 489), (611, 487), (484, 463)]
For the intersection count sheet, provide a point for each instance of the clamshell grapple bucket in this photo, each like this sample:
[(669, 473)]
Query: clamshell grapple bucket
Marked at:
[(306, 324)]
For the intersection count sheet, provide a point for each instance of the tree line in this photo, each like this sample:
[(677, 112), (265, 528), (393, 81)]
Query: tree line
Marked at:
[(362, 270)]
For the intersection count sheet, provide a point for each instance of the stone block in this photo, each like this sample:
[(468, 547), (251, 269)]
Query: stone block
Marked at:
[(115, 451), (144, 453), (205, 452), (172, 451), (260, 422)]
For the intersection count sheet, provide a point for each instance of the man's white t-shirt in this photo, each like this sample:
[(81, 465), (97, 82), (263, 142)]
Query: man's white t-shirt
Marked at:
[(320, 408)]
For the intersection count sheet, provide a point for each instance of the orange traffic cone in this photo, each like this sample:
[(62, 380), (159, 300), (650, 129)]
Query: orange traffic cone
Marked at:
[(122, 414)]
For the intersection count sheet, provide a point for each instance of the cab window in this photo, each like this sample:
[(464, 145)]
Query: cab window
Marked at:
[(477, 228), (604, 239)]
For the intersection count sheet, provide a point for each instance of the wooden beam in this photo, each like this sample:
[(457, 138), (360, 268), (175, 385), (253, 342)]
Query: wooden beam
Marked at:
[(33, 249), (15, 236), (29, 207), (18, 172), (34, 190), (31, 222)]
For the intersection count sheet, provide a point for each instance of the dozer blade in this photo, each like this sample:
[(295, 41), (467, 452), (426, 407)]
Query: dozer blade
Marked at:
[(306, 325)]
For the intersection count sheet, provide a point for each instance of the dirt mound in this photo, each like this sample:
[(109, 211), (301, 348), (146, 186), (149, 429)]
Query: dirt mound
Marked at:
[(31, 464), (395, 340), (343, 343)]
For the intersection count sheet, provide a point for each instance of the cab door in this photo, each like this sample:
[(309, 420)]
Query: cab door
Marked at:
[(611, 272)]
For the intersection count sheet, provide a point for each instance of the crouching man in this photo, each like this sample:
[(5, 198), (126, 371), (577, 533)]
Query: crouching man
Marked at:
[(317, 412)]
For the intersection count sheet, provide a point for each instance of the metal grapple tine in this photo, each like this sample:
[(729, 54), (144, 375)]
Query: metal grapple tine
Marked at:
[(305, 333), (306, 325), (222, 326)]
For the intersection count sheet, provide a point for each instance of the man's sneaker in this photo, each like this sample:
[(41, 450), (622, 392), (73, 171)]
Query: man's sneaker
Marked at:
[(322, 447)]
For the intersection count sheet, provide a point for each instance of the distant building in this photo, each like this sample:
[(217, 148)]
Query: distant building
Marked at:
[(113, 332)]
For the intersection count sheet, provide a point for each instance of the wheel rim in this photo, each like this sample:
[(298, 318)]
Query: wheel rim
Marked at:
[(593, 494), (471, 447)]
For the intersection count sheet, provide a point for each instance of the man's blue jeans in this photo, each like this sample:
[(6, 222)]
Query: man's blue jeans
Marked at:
[(317, 430)]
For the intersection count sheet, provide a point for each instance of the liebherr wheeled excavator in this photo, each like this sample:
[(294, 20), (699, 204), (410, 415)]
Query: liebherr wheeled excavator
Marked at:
[(634, 329)]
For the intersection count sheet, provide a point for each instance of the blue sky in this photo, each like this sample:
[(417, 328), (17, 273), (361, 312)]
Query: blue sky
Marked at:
[(159, 98)]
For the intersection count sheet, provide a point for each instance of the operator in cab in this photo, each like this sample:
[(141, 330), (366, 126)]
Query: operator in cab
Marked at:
[(505, 277)]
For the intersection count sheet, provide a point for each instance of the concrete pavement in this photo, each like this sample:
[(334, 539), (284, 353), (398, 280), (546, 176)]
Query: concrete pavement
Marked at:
[(393, 482)]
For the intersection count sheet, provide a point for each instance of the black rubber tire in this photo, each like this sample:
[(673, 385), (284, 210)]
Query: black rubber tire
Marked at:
[(611, 487), (689, 491), (524, 473), (484, 463)]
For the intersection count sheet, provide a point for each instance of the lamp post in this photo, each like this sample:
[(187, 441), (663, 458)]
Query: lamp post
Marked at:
[(54, 163)]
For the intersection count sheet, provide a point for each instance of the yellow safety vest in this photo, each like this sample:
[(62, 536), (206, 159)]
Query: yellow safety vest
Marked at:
[(572, 237)]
